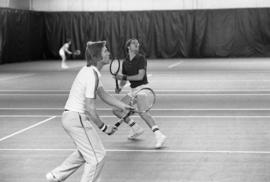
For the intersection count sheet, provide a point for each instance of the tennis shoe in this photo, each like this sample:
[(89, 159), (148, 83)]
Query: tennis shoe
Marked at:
[(133, 134), (64, 66), (160, 141), (51, 178)]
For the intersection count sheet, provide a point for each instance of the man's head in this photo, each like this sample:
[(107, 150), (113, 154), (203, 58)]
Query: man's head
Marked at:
[(69, 41), (97, 53), (132, 45)]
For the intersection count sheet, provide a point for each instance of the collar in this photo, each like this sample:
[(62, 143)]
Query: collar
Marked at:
[(132, 58), (96, 70)]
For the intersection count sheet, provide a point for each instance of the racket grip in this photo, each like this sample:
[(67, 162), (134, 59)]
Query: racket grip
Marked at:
[(116, 84), (117, 124)]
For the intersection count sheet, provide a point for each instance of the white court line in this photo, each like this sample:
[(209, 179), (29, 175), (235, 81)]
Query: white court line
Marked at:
[(212, 80), (152, 151), (16, 76), (27, 116), (175, 64), (71, 67), (164, 94), (155, 116), (25, 129), (156, 90), (167, 109), (34, 90)]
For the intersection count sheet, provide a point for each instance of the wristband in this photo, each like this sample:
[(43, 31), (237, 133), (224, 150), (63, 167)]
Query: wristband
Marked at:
[(124, 77), (103, 127)]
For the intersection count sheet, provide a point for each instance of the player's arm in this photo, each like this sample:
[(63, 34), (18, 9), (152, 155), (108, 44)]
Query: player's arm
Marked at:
[(137, 77), (91, 111), (90, 101), (122, 83), (110, 100), (92, 114), (66, 50)]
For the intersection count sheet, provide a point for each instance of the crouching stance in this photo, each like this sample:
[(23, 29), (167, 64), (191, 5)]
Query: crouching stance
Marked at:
[(80, 110)]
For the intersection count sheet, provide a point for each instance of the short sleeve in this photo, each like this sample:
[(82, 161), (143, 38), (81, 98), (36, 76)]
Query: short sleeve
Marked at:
[(92, 85), (142, 64)]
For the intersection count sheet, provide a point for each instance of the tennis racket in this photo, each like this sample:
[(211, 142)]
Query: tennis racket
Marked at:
[(76, 53), (114, 69), (142, 100)]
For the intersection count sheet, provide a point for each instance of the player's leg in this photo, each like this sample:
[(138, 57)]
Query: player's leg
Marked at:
[(89, 173), (73, 161), (149, 120), (90, 149), (63, 62), (90, 145), (67, 168), (136, 129)]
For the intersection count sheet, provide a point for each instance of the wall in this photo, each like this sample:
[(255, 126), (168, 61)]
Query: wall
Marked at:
[(19, 4), (16, 4), (131, 5), (4, 3)]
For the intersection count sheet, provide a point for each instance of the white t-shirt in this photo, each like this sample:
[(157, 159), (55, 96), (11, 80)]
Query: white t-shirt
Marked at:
[(84, 86)]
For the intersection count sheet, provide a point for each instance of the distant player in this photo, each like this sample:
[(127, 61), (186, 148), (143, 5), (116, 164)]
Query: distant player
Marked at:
[(62, 52), (134, 70)]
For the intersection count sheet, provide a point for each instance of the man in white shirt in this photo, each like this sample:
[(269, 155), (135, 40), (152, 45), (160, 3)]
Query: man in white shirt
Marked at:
[(62, 52), (134, 70), (80, 108)]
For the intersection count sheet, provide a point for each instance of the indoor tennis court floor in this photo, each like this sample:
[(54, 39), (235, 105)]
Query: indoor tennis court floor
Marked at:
[(215, 113)]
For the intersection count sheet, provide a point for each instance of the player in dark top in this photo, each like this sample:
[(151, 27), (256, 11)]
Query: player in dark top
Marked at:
[(134, 70), (132, 67)]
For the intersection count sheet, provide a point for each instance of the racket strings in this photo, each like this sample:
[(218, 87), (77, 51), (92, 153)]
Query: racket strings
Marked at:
[(145, 99), (114, 66)]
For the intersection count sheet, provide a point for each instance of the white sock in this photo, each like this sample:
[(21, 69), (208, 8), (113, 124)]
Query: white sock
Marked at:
[(133, 124), (156, 130)]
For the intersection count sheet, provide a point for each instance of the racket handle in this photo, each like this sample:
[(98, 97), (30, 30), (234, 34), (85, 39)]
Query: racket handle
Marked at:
[(116, 86), (118, 124), (116, 83)]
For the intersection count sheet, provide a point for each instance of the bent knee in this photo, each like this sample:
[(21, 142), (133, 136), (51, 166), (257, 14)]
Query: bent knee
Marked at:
[(145, 114), (101, 156)]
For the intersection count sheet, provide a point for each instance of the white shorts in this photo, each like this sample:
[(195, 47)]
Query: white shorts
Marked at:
[(62, 53), (133, 91)]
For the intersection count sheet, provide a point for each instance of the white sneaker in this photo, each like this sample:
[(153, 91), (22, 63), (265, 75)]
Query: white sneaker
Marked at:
[(133, 134), (51, 178), (64, 66), (160, 141)]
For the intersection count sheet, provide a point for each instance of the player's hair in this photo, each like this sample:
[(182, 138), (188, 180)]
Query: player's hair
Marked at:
[(93, 52), (128, 42), (68, 40)]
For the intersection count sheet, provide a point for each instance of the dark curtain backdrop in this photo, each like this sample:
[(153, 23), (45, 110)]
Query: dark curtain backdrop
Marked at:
[(22, 35), (166, 34), (27, 35), (3, 22)]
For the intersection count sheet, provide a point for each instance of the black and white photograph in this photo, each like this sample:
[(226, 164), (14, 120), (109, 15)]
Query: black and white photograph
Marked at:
[(134, 91)]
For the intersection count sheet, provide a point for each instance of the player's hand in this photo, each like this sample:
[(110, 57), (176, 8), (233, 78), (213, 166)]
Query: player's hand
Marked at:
[(118, 90), (120, 77), (110, 130), (129, 108)]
